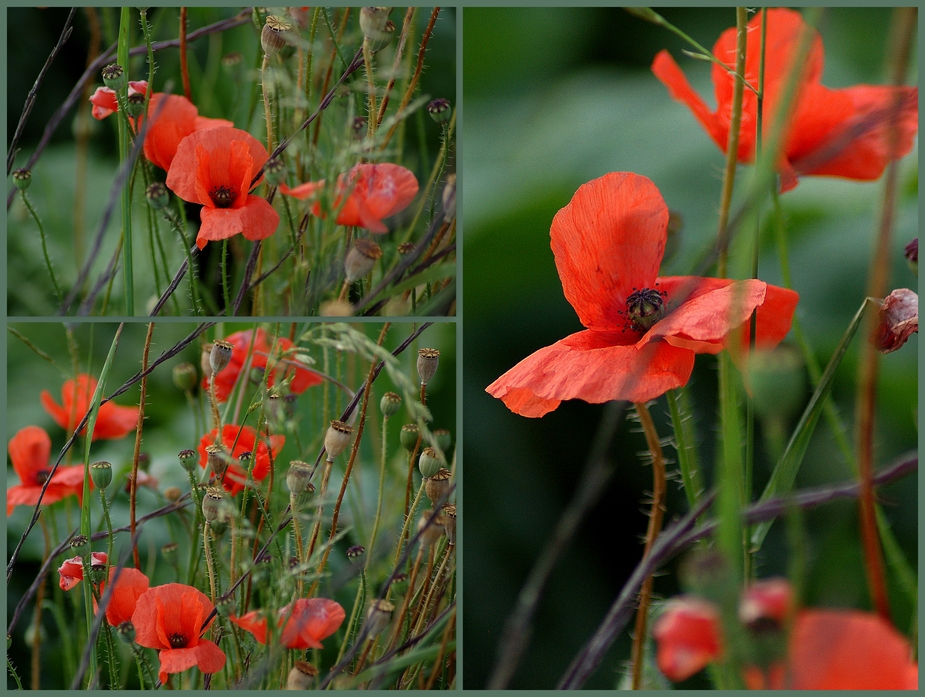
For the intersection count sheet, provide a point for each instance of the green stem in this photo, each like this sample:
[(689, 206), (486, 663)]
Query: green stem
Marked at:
[(372, 538), (123, 156), (687, 453), (226, 294), (51, 271)]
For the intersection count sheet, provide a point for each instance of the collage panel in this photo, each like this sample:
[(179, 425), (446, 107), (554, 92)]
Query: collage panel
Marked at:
[(226, 161), (279, 513), (674, 481)]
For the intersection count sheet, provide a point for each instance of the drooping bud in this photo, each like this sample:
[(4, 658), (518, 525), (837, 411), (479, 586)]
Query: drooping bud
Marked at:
[(101, 474), (188, 460), (114, 77), (299, 476), (409, 436), (273, 35), (444, 439), (428, 359), (378, 617), (275, 171), (337, 439), (430, 462), (185, 377), (157, 196), (361, 259), (22, 178), (439, 110), (449, 522), (355, 554), (301, 676), (448, 198), (220, 355), (216, 459), (390, 404), (438, 485)]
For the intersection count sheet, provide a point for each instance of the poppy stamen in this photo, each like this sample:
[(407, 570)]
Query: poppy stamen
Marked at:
[(645, 307), (177, 641), (42, 476), (222, 196)]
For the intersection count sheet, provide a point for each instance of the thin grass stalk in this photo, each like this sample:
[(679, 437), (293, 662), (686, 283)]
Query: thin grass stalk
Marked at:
[(138, 431), (127, 270)]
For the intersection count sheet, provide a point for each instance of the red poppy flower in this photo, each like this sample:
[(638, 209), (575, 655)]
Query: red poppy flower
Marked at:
[(112, 421), (30, 451), (177, 118), (833, 132), (373, 192), (688, 637), (214, 167), (310, 621), (169, 618), (129, 587), (235, 476), (642, 330), (302, 379), (71, 572), (104, 99)]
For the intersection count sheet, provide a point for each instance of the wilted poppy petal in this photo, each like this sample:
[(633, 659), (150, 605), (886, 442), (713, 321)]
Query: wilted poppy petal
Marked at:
[(897, 319), (608, 241), (594, 367), (688, 637)]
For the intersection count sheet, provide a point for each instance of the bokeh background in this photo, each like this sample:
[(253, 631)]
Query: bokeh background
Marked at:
[(555, 97)]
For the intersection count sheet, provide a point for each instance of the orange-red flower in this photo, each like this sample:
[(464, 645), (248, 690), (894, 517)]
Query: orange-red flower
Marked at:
[(129, 587), (310, 621), (112, 421), (214, 167), (264, 350), (30, 451), (169, 618), (833, 132), (688, 637), (642, 330), (244, 439), (373, 192), (104, 99), (71, 571), (173, 120)]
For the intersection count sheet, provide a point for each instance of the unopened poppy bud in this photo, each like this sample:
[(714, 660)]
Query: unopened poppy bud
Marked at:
[(406, 248), (185, 377), (144, 461), (448, 198), (430, 462), (301, 676), (169, 552), (275, 171), (912, 255), (438, 485), (390, 404), (220, 355), (361, 259), (355, 553), (409, 436), (444, 439), (337, 439), (101, 474), (430, 532), (126, 632), (375, 24), (80, 544), (22, 178), (428, 358), (114, 77), (215, 458), (188, 460), (378, 617), (449, 522), (359, 127), (439, 110), (213, 504), (299, 476), (157, 196), (273, 34), (897, 320), (172, 493), (135, 104)]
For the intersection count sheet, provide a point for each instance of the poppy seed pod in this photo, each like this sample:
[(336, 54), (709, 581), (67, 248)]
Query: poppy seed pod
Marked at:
[(275, 171), (213, 504), (184, 377), (359, 127), (225, 606), (337, 439), (220, 355), (449, 522), (114, 77), (188, 460), (375, 25), (448, 198), (361, 259), (301, 676), (135, 104), (406, 248), (22, 178), (299, 476), (437, 486), (126, 632), (204, 362), (390, 404), (247, 460), (157, 196), (444, 439), (80, 544), (430, 533), (273, 34), (355, 553), (439, 110), (378, 617), (428, 358), (216, 459), (409, 436), (430, 462), (101, 474)]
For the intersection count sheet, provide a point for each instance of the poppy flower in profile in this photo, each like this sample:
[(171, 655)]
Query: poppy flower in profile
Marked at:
[(244, 439), (264, 353), (642, 330), (30, 453), (214, 167), (71, 571), (374, 192), (688, 637), (175, 117), (832, 132), (104, 99), (112, 421), (169, 618), (310, 621), (129, 587)]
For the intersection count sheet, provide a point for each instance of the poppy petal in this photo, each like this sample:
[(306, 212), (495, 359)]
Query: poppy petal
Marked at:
[(595, 367), (254, 622), (302, 191), (688, 636), (205, 655), (114, 422), (589, 237), (312, 620), (256, 220), (129, 587), (30, 450)]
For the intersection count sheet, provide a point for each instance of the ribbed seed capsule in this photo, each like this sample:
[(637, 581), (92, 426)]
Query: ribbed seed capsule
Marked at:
[(430, 462), (213, 504), (374, 22), (299, 476), (430, 534), (355, 554), (114, 77), (275, 171), (428, 359), (301, 676), (215, 457), (439, 110), (188, 460), (157, 196), (126, 632), (135, 104), (361, 259), (409, 436), (247, 460), (22, 178), (435, 487), (449, 522), (101, 474), (444, 439), (220, 355), (80, 544), (337, 439), (273, 34), (390, 404), (378, 616)]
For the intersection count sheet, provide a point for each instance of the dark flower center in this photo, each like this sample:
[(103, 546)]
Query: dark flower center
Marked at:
[(42, 476), (177, 641), (644, 308), (222, 196)]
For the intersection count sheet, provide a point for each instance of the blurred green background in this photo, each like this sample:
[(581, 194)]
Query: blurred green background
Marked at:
[(554, 98), (170, 428)]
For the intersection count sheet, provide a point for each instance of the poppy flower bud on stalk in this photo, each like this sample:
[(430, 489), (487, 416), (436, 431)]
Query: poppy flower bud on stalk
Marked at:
[(337, 439), (439, 110), (220, 355), (184, 377), (22, 178), (430, 462), (428, 359), (299, 476), (273, 35), (101, 474), (114, 77), (188, 460), (438, 485), (378, 617), (301, 676), (361, 259), (157, 196), (409, 436), (390, 404)]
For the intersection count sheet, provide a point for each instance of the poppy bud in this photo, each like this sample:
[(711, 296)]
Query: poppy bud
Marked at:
[(101, 474), (213, 504), (449, 522), (430, 462), (449, 198), (172, 494), (273, 35), (444, 439), (378, 617), (301, 675), (430, 533), (80, 544), (126, 632), (184, 377), (438, 485), (354, 553), (169, 552), (215, 458), (409, 436), (220, 355), (439, 110), (912, 255), (114, 77), (157, 196), (135, 104), (275, 171), (390, 404), (361, 259), (22, 178), (428, 358), (406, 248), (298, 478), (897, 320), (337, 439), (376, 27), (188, 460)]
